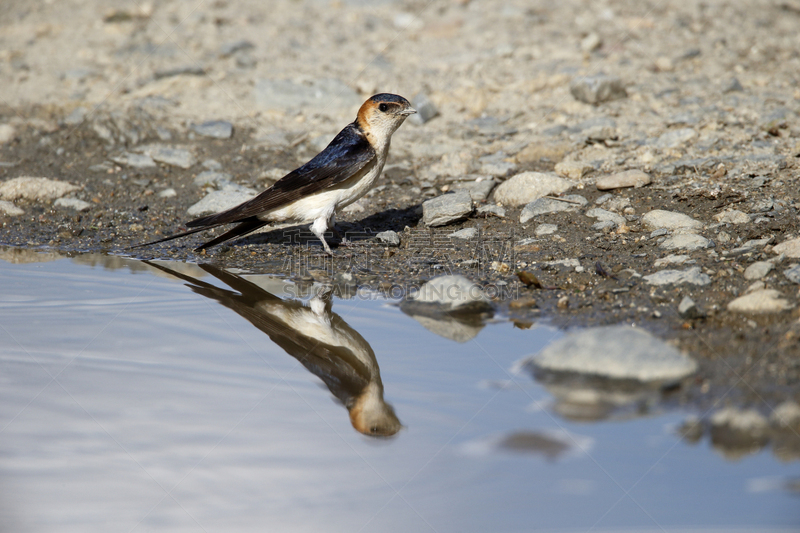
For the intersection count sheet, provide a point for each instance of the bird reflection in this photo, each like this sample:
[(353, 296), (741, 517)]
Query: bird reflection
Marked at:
[(314, 335)]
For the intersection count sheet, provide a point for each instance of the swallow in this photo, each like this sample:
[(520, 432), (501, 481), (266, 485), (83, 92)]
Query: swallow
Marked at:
[(336, 177)]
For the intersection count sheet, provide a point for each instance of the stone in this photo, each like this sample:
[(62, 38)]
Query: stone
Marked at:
[(212, 178), (758, 270), (763, 301), (186, 70), (35, 189), (544, 206), (230, 48), (545, 229), (492, 209), (590, 43), (675, 277), (572, 169), (615, 352), (217, 129), (620, 180), (317, 95), (479, 189), (671, 259), (452, 292), (447, 208), (496, 168), (686, 241), (175, 157), (671, 220), (688, 309), (9, 209), (537, 151), (212, 164), (7, 133), (73, 203), (602, 215), (793, 273), (675, 138), (426, 110), (129, 159), (747, 422), (597, 89), (217, 201), (167, 193), (732, 216), (452, 164), (786, 415), (355, 207), (528, 186), (790, 248), (465, 234), (389, 237), (732, 85)]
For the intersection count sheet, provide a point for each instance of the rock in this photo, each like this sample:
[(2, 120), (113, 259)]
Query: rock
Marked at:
[(6, 133), (466, 234), (9, 209), (426, 110), (758, 270), (602, 215), (597, 89), (389, 237), (291, 96), (230, 48), (590, 43), (355, 207), (528, 186), (218, 129), (793, 273), (675, 277), (786, 415), (686, 241), (454, 329), (671, 259), (73, 203), (167, 193), (536, 151), (671, 220), (492, 209), (34, 189), (732, 85), (496, 166), (545, 229), (675, 138), (789, 248), (739, 432), (211, 178), (212, 164), (450, 293), (732, 217), (187, 70), (76, 117), (129, 159), (447, 208), (452, 164), (620, 180), (176, 157), (763, 301), (544, 206), (572, 169), (614, 352), (216, 201), (478, 190), (689, 310)]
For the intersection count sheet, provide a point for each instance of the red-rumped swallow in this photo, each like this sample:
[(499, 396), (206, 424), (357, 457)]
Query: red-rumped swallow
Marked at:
[(336, 177)]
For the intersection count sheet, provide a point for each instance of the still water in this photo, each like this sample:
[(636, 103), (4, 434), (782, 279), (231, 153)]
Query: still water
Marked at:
[(175, 397)]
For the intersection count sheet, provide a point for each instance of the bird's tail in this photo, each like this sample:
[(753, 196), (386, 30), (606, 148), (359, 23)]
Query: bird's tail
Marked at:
[(165, 239), (248, 225)]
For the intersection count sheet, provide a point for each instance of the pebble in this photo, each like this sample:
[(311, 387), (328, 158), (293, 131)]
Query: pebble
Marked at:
[(176, 157), (35, 189), (452, 164), (452, 292), (671, 259), (492, 209), (572, 169), (763, 301), (6, 133), (689, 310), (479, 190), (606, 216), (686, 241), (615, 352), (212, 178), (228, 49), (466, 234), (790, 248), (318, 95), (793, 273), (758, 270), (389, 237), (675, 138), (544, 206), (73, 203), (9, 209), (528, 186), (132, 160), (746, 424), (591, 42), (496, 168), (426, 110), (732, 85), (212, 164), (597, 89), (620, 180), (545, 229), (167, 193), (447, 208), (217, 129), (216, 201), (732, 217), (692, 275), (671, 220)]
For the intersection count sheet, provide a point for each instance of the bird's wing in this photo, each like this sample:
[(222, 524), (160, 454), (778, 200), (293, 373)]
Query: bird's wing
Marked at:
[(348, 153)]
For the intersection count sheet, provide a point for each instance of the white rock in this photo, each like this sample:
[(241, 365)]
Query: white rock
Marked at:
[(6, 133), (73, 203), (675, 138), (786, 414), (686, 241), (129, 159), (9, 209), (451, 292), (528, 186), (446, 208), (691, 275), (572, 169), (628, 178), (492, 209), (758, 270), (602, 215), (36, 189), (169, 155), (762, 301), (355, 207), (747, 421), (672, 220), (217, 201), (466, 234), (791, 248), (389, 237), (732, 217), (671, 259), (545, 229), (167, 193)]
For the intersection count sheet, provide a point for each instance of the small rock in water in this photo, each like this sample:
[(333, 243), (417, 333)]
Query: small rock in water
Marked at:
[(466, 234), (389, 237), (35, 189), (451, 293), (447, 208), (758, 270), (129, 159), (544, 206), (790, 248), (218, 129), (9, 209), (628, 178), (686, 241), (671, 220), (73, 203), (528, 186), (426, 110), (597, 89), (689, 310), (732, 217), (763, 301), (793, 273), (675, 277)]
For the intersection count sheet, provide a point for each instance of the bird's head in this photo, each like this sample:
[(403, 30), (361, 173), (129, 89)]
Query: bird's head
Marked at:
[(382, 114)]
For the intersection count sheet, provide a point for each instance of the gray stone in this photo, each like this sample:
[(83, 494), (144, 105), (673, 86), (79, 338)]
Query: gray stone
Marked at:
[(689, 310), (528, 186), (620, 180), (544, 206), (129, 159), (451, 293), (545, 229), (9, 209), (175, 157), (675, 138), (478, 190), (686, 241), (671, 220), (602, 215), (496, 168), (76, 117), (465, 234), (675, 277), (793, 273), (211, 178), (218, 129), (763, 301), (790, 248), (447, 208), (319, 95), (597, 89), (758, 270), (34, 189), (73, 203), (426, 110), (217, 201), (389, 237), (185, 70), (732, 85), (573, 170), (615, 352), (732, 217), (671, 259), (228, 49), (212, 164), (603, 199), (492, 209)]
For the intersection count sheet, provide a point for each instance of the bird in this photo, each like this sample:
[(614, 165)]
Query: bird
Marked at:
[(336, 177)]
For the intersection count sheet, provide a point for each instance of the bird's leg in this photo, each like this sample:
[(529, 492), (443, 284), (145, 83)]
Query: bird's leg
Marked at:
[(332, 225), (318, 228)]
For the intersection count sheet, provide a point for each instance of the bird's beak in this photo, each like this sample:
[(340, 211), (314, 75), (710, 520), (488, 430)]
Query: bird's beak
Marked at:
[(407, 111)]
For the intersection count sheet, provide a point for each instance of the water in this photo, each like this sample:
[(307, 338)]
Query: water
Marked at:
[(136, 401)]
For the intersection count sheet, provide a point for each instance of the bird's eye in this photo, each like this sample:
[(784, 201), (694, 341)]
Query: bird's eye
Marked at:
[(383, 107)]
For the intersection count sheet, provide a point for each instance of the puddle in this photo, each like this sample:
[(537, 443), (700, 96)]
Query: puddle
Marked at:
[(175, 397)]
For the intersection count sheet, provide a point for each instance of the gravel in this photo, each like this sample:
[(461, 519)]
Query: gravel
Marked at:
[(529, 186)]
